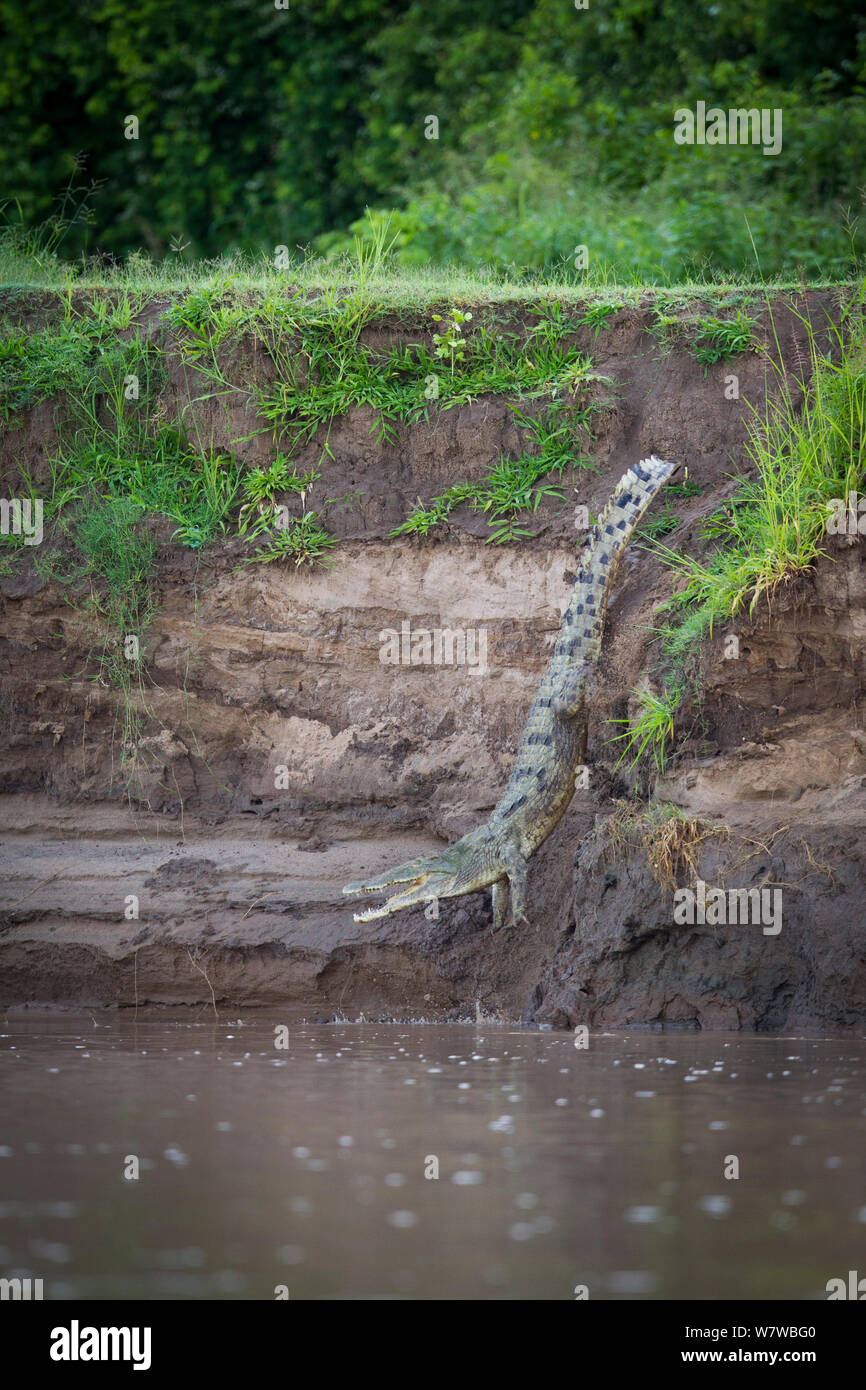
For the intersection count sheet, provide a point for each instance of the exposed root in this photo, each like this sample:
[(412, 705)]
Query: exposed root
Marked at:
[(816, 864), (204, 973)]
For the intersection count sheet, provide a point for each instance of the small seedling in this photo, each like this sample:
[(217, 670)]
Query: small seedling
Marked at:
[(451, 343)]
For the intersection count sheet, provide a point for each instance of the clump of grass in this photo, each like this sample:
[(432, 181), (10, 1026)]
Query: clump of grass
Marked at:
[(204, 317), (516, 487), (687, 488), (597, 315), (109, 550), (41, 365), (804, 456), (422, 519), (659, 525), (669, 837), (202, 507), (653, 727), (666, 325), (710, 338), (303, 540), (260, 510), (161, 475), (718, 339)]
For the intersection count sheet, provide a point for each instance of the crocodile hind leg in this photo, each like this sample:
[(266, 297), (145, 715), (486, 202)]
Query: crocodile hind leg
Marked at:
[(569, 697), (500, 903), (516, 869), (512, 887)]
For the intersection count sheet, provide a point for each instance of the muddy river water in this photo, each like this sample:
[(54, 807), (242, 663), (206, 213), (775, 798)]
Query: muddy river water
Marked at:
[(242, 1160)]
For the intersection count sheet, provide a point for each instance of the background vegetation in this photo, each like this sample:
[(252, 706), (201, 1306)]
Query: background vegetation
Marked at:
[(262, 127)]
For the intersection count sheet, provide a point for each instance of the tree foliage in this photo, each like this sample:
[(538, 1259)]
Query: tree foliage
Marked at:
[(260, 126)]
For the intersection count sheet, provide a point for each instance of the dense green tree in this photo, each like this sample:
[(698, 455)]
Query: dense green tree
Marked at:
[(260, 126)]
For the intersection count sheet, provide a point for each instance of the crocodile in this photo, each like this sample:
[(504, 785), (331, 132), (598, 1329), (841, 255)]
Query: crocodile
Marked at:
[(553, 744)]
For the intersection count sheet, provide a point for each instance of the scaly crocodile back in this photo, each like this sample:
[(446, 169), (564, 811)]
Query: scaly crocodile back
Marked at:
[(583, 620), (541, 784)]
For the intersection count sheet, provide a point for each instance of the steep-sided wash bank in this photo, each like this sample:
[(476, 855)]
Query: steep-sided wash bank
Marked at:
[(226, 681)]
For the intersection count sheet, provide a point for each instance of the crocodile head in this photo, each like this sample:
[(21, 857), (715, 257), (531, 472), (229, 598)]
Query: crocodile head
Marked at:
[(442, 875)]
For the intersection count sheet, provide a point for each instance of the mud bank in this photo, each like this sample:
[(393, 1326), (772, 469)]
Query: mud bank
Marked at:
[(279, 757)]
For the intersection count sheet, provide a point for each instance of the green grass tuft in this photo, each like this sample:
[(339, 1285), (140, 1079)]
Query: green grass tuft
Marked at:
[(718, 340), (303, 540), (804, 456), (653, 728)]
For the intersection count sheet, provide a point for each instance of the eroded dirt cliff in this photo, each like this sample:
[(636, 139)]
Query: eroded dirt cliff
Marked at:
[(279, 756)]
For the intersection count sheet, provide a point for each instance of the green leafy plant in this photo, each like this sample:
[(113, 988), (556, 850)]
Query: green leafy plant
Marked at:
[(304, 540), (260, 486), (597, 315), (652, 729), (450, 342), (659, 525), (718, 339)]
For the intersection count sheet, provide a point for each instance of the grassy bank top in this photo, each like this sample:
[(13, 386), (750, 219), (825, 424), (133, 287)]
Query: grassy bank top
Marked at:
[(391, 286)]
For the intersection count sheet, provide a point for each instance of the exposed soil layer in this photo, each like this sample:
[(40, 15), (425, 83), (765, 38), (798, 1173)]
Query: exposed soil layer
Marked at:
[(281, 757)]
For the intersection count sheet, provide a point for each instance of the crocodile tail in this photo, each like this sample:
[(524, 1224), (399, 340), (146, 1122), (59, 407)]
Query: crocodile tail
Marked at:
[(584, 618), (631, 497)]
